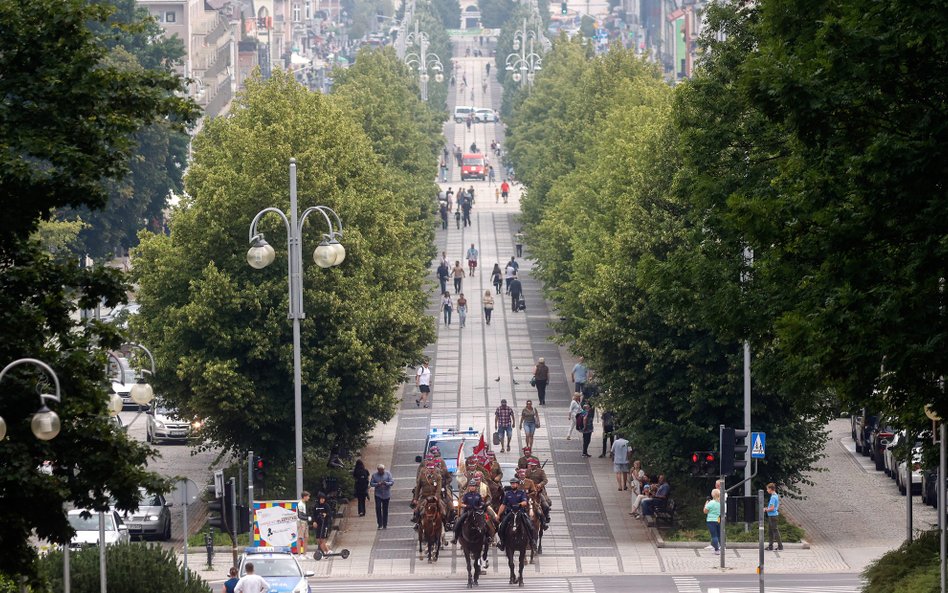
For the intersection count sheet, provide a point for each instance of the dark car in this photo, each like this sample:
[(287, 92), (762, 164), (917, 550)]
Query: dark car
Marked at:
[(879, 439), (862, 429)]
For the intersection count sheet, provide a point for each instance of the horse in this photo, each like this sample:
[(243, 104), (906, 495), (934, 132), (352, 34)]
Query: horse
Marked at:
[(517, 537), (474, 543), (536, 523), (432, 528), (451, 504)]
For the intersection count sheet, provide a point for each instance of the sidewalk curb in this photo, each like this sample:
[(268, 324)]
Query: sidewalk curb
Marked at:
[(660, 542)]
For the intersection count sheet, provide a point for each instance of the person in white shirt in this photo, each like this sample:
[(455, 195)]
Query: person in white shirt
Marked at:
[(251, 583), (574, 408), (423, 381), (509, 272)]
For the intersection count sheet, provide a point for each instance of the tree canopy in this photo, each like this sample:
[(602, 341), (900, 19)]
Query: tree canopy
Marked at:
[(222, 326)]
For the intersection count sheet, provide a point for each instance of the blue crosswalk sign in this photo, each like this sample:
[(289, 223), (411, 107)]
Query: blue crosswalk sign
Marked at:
[(758, 444)]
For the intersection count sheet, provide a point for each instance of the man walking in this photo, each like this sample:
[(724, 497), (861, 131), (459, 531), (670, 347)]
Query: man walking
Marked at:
[(509, 272), (472, 259), (516, 292), (773, 511), (579, 375), (608, 431), (251, 583), (443, 273), (423, 381), (518, 242), (303, 519), (620, 462), (504, 190), (503, 423), (382, 481), (588, 424), (541, 376)]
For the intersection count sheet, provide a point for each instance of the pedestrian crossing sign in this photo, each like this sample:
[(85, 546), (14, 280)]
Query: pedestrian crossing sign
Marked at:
[(758, 444)]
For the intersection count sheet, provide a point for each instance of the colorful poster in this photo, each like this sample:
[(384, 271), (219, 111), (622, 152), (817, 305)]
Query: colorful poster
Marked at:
[(275, 523)]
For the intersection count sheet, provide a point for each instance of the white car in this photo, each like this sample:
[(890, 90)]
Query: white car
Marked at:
[(487, 116), (901, 479), (163, 425), (86, 524), (891, 463), (461, 112), (279, 567)]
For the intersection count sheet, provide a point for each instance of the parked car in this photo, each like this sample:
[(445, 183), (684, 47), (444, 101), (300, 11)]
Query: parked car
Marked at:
[(930, 487), (891, 462), (863, 430), (461, 112), (901, 477), (86, 524), (484, 115), (152, 520), (164, 425), (879, 438)]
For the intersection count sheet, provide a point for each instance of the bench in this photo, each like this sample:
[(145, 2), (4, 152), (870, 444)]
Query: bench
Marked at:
[(664, 514)]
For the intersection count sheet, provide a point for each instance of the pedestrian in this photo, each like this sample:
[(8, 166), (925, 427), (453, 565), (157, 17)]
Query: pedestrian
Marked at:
[(488, 302), (251, 583), (496, 277), (447, 307), (516, 293), (458, 274), (444, 171), (443, 211), (458, 154), (423, 381), (575, 409), (472, 259), (620, 462), (519, 242), (541, 377), (490, 175), (773, 511), (444, 149), (232, 581), (462, 309), (457, 218), (322, 521), (586, 420), (360, 476), (382, 481), (449, 196), (503, 423), (509, 272), (608, 434), (443, 273), (466, 208), (712, 509), (579, 374), (303, 519), (504, 190), (513, 262), (529, 423), (470, 119), (444, 260)]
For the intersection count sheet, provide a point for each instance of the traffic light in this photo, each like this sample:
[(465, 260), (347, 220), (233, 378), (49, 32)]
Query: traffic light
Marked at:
[(259, 472), (703, 464), (564, 10), (733, 447), (216, 517)]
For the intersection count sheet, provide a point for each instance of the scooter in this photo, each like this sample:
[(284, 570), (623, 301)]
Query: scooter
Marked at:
[(319, 554)]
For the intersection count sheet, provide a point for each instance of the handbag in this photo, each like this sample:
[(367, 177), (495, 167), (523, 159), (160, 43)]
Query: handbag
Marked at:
[(496, 438), (533, 381)]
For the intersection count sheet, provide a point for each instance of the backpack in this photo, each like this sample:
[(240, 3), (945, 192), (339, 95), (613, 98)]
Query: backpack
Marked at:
[(580, 418)]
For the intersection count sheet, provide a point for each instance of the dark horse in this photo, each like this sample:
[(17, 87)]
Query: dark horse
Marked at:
[(517, 537), (431, 529), (474, 543), (537, 523)]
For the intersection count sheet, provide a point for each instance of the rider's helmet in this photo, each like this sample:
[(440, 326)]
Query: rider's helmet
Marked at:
[(491, 455), (521, 473), (429, 457), (435, 451), (475, 483), (527, 450), (514, 481), (533, 462)]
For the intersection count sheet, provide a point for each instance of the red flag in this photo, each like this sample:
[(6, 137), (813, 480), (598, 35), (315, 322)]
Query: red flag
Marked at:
[(460, 465), (481, 446)]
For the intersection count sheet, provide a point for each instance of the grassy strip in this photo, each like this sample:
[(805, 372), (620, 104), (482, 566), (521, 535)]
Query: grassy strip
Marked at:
[(789, 533)]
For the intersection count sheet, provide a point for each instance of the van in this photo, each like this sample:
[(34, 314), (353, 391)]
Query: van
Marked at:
[(473, 166), (455, 445), (461, 112)]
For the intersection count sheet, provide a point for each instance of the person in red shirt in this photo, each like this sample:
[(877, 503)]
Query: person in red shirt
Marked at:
[(504, 190)]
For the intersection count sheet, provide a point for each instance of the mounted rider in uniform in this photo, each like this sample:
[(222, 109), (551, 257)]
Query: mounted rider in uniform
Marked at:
[(493, 467), (536, 474), (445, 474), (513, 498), (428, 484), (527, 456), (470, 502)]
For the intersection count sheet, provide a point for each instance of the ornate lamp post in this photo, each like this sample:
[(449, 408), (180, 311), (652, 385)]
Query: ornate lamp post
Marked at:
[(524, 65), (329, 253), (424, 61)]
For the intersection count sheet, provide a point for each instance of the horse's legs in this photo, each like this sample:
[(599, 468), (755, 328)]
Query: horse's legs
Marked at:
[(510, 563), (523, 554), (477, 567), (467, 558)]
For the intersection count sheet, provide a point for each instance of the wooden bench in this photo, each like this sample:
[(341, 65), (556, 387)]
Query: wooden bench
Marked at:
[(663, 514)]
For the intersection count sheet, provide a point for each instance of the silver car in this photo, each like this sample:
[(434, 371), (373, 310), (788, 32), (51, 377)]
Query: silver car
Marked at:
[(87, 529), (152, 520), (163, 426)]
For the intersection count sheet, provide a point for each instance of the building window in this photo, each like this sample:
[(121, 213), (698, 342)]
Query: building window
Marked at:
[(309, 10), (169, 17), (296, 13)]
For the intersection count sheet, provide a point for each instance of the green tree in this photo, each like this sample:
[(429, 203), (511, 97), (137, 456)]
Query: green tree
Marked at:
[(222, 326), (496, 13), (448, 12), (65, 128)]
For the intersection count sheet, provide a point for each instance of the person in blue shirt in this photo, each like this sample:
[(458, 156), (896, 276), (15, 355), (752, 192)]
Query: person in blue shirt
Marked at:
[(470, 502), (773, 511), (231, 583), (513, 499)]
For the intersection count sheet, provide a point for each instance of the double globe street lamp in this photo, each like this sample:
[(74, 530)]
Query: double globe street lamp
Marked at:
[(45, 423), (141, 392), (327, 254), (524, 65), (424, 60)]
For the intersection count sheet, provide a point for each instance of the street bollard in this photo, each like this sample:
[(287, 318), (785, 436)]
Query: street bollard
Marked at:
[(209, 546)]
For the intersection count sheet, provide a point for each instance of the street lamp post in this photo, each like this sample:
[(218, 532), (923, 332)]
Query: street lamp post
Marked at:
[(424, 60), (524, 65), (329, 253), (45, 426)]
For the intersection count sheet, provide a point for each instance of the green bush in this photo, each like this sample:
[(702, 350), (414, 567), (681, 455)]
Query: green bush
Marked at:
[(789, 533), (220, 539), (912, 568), (7, 584), (141, 568)]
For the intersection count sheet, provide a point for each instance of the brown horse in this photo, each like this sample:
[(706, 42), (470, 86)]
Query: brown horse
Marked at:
[(432, 527), (536, 522)]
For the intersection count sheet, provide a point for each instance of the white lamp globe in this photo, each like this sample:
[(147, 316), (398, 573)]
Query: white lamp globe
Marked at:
[(324, 255), (142, 393), (339, 251), (45, 424), (115, 404), (3, 428), (260, 255)]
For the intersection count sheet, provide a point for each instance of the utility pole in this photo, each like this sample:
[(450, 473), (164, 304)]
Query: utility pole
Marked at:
[(745, 278)]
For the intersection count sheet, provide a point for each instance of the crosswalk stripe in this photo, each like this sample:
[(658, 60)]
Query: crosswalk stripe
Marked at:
[(793, 589), (530, 585), (687, 584)]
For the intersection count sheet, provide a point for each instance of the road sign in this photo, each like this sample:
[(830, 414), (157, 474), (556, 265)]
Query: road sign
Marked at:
[(758, 444), (185, 492)]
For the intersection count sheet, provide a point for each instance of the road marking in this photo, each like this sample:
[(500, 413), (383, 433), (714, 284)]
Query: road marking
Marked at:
[(687, 584)]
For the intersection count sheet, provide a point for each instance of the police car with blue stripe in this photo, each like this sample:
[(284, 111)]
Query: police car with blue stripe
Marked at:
[(452, 443), (278, 567)]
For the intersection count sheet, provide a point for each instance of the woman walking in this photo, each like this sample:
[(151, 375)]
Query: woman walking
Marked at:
[(458, 273), (447, 307), (497, 277), (712, 509), (361, 477), (541, 376), (462, 309), (574, 409), (529, 423), (488, 302)]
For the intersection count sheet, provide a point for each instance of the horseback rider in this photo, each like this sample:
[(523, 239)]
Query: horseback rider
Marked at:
[(469, 503), (494, 470), (428, 484), (527, 456), (515, 498), (445, 474), (536, 474)]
